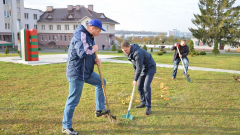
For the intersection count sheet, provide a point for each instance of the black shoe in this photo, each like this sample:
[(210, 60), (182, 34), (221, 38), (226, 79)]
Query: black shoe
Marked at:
[(69, 131), (140, 106), (148, 111), (101, 112)]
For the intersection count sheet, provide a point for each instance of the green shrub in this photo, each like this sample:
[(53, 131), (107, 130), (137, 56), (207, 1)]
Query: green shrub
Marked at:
[(114, 48), (163, 51), (151, 49), (17, 51), (39, 49), (159, 53), (145, 47), (202, 53), (6, 50), (119, 51)]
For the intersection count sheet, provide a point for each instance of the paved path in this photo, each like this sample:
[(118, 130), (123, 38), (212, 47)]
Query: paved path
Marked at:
[(62, 58)]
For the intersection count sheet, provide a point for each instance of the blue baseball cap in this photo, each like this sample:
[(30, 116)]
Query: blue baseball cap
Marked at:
[(96, 23)]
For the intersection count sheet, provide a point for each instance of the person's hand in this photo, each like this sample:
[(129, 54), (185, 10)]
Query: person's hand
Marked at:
[(177, 45), (180, 56), (95, 47), (98, 62), (134, 83)]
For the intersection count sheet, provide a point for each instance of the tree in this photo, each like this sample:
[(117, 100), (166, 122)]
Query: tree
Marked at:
[(171, 39), (191, 48), (163, 37), (6, 50), (145, 47), (114, 48), (122, 36), (155, 40), (218, 22)]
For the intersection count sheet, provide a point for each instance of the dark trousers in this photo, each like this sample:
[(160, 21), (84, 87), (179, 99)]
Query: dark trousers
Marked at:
[(144, 89)]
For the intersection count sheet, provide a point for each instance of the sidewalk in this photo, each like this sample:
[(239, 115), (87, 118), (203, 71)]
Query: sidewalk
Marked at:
[(62, 58)]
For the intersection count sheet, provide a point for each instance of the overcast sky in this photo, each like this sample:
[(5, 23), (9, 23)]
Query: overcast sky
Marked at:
[(147, 15)]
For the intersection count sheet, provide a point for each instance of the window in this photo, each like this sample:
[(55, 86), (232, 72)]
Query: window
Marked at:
[(4, 38), (58, 27), (56, 38), (87, 23), (49, 17), (45, 38), (35, 16), (26, 15), (27, 26), (66, 27), (18, 0), (196, 43), (53, 37), (41, 38), (49, 38), (60, 38), (7, 25), (35, 27), (69, 38), (106, 27), (43, 27), (5, 2), (74, 26), (102, 16), (6, 13), (50, 27), (0, 37), (106, 38), (65, 38), (18, 10)]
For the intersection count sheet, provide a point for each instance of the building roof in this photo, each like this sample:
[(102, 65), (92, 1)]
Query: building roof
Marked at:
[(63, 15)]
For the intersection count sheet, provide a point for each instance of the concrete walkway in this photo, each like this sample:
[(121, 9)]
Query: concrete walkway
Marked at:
[(62, 58)]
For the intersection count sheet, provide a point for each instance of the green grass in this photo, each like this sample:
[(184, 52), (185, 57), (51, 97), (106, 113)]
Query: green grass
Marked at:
[(33, 98), (220, 61), (40, 53)]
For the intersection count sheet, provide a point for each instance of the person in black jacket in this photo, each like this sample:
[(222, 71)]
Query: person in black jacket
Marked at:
[(145, 68), (184, 50)]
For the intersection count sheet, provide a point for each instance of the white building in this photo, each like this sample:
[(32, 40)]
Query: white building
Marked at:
[(174, 32), (17, 14), (56, 26), (31, 17)]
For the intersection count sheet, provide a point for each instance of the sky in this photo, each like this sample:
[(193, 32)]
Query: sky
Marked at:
[(136, 15)]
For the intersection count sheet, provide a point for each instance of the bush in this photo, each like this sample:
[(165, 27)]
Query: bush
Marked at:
[(163, 51), (202, 53), (145, 47), (39, 49), (17, 51), (159, 53), (114, 48), (6, 50), (151, 49), (119, 51)]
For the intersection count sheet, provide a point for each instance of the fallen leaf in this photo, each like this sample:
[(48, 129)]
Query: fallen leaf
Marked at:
[(161, 85)]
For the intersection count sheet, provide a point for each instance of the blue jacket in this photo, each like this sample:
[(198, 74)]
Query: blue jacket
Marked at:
[(142, 61), (81, 58), (185, 52)]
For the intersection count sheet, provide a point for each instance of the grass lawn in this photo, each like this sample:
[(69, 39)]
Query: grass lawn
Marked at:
[(220, 61), (40, 53), (33, 98)]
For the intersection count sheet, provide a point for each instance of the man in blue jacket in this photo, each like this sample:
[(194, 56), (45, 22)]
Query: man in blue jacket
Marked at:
[(80, 65), (184, 50), (145, 68)]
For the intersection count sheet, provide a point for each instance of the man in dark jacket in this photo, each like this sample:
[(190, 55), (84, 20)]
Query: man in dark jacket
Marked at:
[(145, 68), (184, 50), (80, 65)]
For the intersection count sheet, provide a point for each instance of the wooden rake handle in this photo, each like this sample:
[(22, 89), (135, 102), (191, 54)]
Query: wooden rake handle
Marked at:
[(103, 87)]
